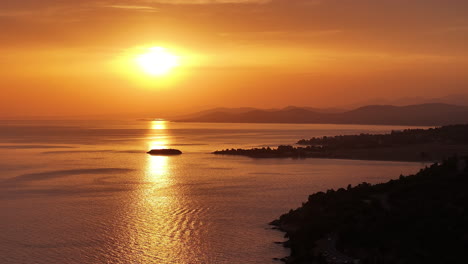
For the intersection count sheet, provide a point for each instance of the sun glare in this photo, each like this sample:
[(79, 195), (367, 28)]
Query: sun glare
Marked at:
[(157, 61)]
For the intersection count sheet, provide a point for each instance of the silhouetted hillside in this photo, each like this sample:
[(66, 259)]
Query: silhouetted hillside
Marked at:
[(448, 135), (220, 111), (418, 115), (424, 114), (330, 110), (453, 99), (416, 219), (433, 144)]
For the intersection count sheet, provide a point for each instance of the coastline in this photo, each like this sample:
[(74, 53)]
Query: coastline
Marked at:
[(427, 153), (383, 223)]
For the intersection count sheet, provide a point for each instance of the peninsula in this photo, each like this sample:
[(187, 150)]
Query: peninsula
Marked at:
[(425, 145), (421, 218)]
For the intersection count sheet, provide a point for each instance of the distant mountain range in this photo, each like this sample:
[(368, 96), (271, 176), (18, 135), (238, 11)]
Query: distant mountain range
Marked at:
[(454, 99), (431, 114), (244, 110)]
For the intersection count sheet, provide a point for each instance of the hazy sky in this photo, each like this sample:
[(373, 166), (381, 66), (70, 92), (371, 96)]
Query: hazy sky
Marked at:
[(64, 57)]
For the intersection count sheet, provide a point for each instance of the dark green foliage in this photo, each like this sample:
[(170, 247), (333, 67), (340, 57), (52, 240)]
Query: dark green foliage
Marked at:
[(454, 134), (421, 218), (281, 151), (432, 144)]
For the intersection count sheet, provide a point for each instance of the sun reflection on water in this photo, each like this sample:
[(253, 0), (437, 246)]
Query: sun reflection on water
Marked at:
[(158, 166), (158, 142), (159, 125), (162, 225), (158, 170)]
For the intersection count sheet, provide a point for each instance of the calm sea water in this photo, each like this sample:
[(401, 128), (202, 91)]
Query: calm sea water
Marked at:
[(86, 192)]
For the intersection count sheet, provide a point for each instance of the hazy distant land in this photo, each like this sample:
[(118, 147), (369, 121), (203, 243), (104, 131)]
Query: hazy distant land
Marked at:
[(434, 114), (432, 144)]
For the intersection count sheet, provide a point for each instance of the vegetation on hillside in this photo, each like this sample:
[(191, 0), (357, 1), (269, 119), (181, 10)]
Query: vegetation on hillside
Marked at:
[(454, 134), (421, 218), (432, 144)]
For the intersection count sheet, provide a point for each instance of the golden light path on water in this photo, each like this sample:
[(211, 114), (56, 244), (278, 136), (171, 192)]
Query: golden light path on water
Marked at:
[(162, 223), (158, 171)]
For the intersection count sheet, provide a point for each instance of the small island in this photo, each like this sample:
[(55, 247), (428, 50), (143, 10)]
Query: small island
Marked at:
[(421, 218), (426, 145), (164, 152)]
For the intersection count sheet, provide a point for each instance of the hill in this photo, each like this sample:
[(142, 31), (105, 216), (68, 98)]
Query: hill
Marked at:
[(413, 115), (433, 144), (421, 218)]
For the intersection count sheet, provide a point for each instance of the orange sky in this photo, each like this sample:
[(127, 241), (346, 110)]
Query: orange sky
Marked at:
[(63, 58)]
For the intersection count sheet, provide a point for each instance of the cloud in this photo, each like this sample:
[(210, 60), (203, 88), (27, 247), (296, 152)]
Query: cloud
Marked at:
[(204, 2), (33, 147), (134, 7), (56, 7)]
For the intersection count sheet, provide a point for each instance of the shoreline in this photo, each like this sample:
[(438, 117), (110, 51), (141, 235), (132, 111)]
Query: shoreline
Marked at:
[(425, 153), (339, 158), (367, 222)]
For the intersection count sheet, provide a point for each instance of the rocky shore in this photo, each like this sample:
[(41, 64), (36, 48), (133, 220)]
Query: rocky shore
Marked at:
[(412, 153), (415, 145), (421, 218)]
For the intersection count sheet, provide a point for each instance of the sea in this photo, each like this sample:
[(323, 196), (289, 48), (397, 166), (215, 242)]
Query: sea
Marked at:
[(87, 192)]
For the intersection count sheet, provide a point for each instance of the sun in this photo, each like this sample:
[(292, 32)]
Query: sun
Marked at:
[(157, 61)]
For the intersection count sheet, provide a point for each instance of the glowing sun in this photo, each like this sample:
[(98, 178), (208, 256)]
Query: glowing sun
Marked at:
[(157, 61)]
